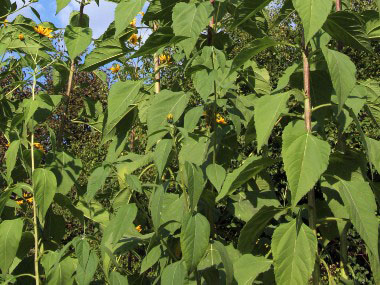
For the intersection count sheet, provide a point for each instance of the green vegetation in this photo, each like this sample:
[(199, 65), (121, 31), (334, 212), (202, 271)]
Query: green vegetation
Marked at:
[(239, 143)]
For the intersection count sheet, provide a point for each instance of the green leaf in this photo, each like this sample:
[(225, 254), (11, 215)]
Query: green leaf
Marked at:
[(87, 263), (44, 188), (106, 52), (117, 279), (360, 204), (348, 28), (61, 4), (4, 198), (247, 9), (62, 273), (174, 274), (163, 37), (247, 53), (134, 182), (305, 158), (195, 234), (342, 72), (96, 181), (227, 263), (121, 222), (255, 227), (194, 150), (216, 263), (66, 169), (374, 152), (294, 249), (125, 12), (284, 79), (11, 157), (156, 204), (251, 167), (372, 25), (313, 14), (216, 174), (164, 103), (77, 39), (248, 267), (190, 20), (192, 118), (268, 109), (194, 182), (10, 236), (75, 16), (120, 100), (161, 154), (150, 259), (204, 82)]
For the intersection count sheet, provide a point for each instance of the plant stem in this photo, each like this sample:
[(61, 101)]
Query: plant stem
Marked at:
[(69, 86), (307, 113), (338, 5), (322, 106), (344, 250), (157, 76), (35, 222)]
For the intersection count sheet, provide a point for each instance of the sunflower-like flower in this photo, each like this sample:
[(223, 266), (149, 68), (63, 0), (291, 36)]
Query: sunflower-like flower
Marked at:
[(169, 118), (20, 202), (115, 68), (133, 23), (39, 146), (220, 119), (142, 13), (28, 197), (21, 37), (165, 59), (134, 39), (139, 228), (44, 31), (5, 23)]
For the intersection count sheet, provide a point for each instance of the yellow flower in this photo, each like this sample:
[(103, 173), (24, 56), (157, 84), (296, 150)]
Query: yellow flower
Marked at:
[(43, 31), (30, 200), (133, 23), (164, 58), (20, 202), (134, 39), (39, 146), (139, 228), (115, 69), (169, 118), (220, 119), (5, 22), (142, 13), (21, 37)]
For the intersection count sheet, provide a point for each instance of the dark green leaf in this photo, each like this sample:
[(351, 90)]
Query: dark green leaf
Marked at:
[(255, 227), (44, 188), (10, 236)]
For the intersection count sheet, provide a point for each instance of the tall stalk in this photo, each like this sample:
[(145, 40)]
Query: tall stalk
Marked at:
[(157, 76), (35, 222), (69, 87), (338, 5), (307, 114)]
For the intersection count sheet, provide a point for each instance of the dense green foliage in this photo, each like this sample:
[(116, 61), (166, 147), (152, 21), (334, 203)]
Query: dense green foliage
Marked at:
[(238, 144)]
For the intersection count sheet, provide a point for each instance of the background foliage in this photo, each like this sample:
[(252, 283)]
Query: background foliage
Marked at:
[(190, 159)]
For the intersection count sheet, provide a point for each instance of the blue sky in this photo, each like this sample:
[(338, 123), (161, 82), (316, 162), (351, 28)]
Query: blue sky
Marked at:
[(100, 17)]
